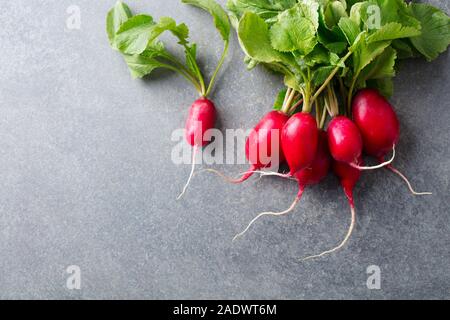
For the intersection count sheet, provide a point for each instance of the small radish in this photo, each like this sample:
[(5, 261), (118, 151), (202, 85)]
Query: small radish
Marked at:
[(260, 144), (379, 127), (201, 118), (137, 38), (348, 176), (299, 139), (305, 177), (346, 143)]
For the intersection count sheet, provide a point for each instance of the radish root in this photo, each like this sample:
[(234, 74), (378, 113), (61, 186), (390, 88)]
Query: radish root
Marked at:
[(194, 153), (343, 243), (292, 207), (381, 165), (243, 176), (401, 175)]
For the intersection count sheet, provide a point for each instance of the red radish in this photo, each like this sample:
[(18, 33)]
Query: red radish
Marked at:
[(348, 176), (346, 143), (379, 127), (259, 145), (299, 140), (305, 177), (344, 140), (201, 118)]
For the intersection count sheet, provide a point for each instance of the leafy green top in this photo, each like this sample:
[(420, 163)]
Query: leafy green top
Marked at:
[(137, 38), (350, 44)]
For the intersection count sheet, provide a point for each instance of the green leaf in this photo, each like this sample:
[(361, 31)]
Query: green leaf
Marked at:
[(435, 37), (191, 58), (391, 11), (135, 34), (219, 15), (295, 29), (266, 9), (115, 18), (278, 104), (350, 29), (142, 64), (393, 30), (254, 38), (321, 74), (384, 86), (333, 13), (364, 53), (404, 49), (380, 68)]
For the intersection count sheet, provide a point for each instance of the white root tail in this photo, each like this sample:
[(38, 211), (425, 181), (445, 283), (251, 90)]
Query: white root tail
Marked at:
[(401, 175), (291, 208), (381, 165), (194, 153), (237, 180), (343, 243)]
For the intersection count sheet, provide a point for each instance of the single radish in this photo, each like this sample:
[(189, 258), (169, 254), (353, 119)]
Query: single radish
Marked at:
[(260, 148), (305, 177), (201, 118), (379, 127), (346, 143), (348, 177), (299, 139), (126, 34)]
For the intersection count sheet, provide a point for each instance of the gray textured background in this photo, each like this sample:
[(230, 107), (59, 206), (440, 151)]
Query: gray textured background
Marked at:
[(86, 178)]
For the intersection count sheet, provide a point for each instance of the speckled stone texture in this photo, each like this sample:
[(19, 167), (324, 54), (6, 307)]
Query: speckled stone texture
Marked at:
[(87, 178)]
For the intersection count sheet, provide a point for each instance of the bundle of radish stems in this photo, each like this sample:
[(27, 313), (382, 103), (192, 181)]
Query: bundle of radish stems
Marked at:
[(338, 68)]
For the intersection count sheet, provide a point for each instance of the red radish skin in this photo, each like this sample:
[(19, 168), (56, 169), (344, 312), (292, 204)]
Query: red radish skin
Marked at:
[(344, 140), (259, 144), (305, 177), (346, 143), (376, 121), (348, 176), (201, 118), (379, 126), (299, 140)]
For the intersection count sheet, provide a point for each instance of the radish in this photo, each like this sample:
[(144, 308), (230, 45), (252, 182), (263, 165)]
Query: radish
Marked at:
[(346, 143), (308, 176), (137, 38), (201, 118), (299, 140), (259, 143), (348, 176), (379, 127)]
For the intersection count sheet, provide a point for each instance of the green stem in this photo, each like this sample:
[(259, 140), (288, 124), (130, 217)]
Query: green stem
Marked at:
[(330, 77), (185, 72), (219, 66), (324, 117), (290, 96), (199, 74), (318, 115), (307, 103), (186, 76), (179, 65), (350, 96)]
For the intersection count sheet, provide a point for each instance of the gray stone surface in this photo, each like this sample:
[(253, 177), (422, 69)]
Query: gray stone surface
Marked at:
[(87, 178)]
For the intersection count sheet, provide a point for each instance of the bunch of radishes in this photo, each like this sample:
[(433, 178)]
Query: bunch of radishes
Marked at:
[(337, 68)]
